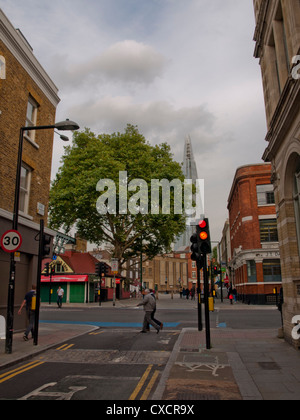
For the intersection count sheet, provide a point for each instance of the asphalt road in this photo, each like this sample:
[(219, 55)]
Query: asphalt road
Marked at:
[(115, 362), (182, 315)]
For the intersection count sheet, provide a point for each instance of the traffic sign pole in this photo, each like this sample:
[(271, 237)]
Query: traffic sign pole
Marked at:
[(200, 325), (11, 241), (10, 307)]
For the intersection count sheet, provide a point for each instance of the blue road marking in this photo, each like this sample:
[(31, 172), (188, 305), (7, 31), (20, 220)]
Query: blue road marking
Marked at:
[(222, 325), (109, 324)]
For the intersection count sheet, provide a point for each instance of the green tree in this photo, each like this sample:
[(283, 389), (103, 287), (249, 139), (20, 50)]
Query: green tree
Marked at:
[(73, 196)]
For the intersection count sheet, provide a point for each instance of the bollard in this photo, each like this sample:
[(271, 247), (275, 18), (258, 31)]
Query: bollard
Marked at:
[(2, 328), (211, 304)]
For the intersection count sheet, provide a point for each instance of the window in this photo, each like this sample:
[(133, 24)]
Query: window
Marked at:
[(2, 68), (25, 189), (31, 117), (251, 271), (272, 271), (59, 268), (268, 230), (265, 194), (296, 196)]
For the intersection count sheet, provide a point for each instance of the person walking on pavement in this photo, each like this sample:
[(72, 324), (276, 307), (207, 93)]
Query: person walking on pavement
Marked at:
[(30, 302), (60, 295), (161, 325), (149, 304)]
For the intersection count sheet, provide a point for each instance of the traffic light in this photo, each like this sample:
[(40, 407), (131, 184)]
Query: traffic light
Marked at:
[(195, 248), (98, 268), (104, 270), (215, 271), (46, 241), (101, 269), (204, 237), (47, 268)]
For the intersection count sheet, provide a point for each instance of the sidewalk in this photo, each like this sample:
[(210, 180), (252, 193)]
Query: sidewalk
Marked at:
[(242, 364), (50, 335)]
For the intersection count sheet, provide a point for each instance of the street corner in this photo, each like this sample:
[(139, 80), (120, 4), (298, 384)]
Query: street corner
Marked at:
[(201, 376)]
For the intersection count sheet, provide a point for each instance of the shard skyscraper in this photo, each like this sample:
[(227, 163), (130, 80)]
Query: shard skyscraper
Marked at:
[(189, 169)]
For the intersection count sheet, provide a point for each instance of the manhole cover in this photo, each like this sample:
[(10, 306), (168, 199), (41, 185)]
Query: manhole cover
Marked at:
[(269, 365), (192, 396)]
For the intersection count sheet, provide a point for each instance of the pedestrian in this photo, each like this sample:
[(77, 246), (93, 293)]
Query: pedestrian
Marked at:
[(161, 325), (30, 302), (187, 292), (149, 304), (234, 292), (231, 298), (60, 294)]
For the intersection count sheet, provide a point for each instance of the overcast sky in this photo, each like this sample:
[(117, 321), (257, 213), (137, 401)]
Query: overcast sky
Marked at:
[(172, 67)]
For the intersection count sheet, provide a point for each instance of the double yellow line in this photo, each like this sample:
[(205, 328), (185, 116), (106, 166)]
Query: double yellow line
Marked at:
[(65, 347), (12, 373), (142, 382)]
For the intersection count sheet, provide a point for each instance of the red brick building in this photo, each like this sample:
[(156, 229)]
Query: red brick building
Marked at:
[(255, 264), (28, 97)]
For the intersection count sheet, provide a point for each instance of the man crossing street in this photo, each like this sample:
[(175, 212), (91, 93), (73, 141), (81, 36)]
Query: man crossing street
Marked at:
[(149, 304)]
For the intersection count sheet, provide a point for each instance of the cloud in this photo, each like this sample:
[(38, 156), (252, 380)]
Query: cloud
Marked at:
[(131, 61), (171, 67), (158, 121), (126, 62)]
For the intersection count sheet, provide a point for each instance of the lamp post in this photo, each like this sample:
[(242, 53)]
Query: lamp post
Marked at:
[(61, 126)]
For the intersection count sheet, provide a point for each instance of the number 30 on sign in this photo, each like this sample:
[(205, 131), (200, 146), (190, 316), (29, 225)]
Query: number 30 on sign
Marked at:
[(11, 241)]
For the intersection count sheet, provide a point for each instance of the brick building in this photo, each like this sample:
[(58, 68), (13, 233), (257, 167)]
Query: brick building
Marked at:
[(277, 37), (27, 97), (255, 259)]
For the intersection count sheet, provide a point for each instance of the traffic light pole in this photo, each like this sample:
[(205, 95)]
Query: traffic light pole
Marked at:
[(206, 301), (38, 285), (200, 326)]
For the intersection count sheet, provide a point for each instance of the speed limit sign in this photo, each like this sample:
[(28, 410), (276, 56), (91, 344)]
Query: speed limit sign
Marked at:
[(11, 241)]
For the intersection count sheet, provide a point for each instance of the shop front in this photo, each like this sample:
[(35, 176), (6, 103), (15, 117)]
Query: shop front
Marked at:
[(76, 288)]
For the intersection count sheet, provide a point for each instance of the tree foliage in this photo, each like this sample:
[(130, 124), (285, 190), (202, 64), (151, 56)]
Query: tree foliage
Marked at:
[(73, 196)]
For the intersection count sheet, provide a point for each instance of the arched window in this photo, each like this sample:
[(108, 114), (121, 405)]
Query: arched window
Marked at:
[(296, 196), (2, 67)]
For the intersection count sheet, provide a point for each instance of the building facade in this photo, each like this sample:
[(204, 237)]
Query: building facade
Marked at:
[(277, 37), (27, 97), (166, 273), (255, 260)]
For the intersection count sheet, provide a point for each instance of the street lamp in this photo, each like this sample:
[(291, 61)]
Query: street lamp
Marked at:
[(61, 126)]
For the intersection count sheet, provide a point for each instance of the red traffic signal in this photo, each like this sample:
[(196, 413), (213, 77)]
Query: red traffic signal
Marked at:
[(202, 224)]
